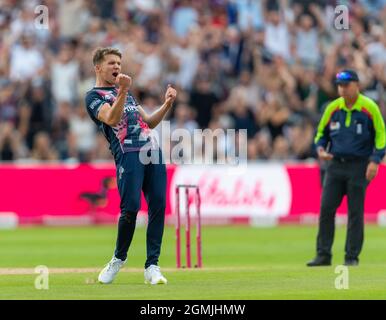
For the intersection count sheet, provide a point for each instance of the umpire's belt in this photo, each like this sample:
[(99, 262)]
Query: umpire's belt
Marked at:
[(349, 159)]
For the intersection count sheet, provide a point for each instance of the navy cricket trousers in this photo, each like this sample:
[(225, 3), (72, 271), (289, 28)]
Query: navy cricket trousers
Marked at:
[(141, 171), (343, 178)]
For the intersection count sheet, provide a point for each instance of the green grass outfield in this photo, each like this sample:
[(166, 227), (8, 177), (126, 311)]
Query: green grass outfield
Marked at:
[(239, 263)]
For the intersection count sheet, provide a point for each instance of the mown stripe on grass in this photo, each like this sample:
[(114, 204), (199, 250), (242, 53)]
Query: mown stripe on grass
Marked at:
[(25, 271)]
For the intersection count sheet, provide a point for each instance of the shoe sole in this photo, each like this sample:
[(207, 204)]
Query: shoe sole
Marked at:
[(102, 282), (319, 265), (153, 284)]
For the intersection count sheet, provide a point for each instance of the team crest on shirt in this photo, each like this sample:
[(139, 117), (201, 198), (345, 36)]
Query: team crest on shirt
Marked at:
[(334, 125), (130, 100)]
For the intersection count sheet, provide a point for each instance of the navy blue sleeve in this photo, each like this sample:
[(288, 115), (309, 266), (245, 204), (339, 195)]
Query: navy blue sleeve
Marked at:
[(323, 140), (93, 104)]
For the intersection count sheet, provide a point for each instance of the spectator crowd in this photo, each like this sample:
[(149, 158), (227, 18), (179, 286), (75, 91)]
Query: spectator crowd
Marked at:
[(265, 66)]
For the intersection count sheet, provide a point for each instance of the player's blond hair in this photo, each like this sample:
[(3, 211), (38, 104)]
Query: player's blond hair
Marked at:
[(100, 53)]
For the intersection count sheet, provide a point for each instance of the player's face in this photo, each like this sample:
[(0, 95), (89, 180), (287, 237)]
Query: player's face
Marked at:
[(348, 90), (109, 69)]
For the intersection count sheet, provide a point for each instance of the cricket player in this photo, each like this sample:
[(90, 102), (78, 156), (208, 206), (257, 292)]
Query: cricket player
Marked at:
[(126, 127)]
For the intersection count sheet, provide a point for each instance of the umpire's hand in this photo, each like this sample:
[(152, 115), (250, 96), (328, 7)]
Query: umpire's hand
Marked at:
[(324, 155), (372, 170)]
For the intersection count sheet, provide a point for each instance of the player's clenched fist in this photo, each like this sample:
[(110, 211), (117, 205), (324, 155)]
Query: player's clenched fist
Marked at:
[(124, 81), (170, 95)]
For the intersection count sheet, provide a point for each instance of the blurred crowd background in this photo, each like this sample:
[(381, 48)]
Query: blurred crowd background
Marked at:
[(264, 66)]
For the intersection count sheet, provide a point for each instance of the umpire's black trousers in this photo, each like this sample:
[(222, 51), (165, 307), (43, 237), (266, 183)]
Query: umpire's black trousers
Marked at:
[(343, 177)]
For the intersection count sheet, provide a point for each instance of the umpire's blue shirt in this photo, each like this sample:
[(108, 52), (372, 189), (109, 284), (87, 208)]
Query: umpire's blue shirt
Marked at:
[(358, 132)]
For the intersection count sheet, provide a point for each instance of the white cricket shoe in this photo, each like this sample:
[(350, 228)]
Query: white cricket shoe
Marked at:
[(153, 275), (109, 272)]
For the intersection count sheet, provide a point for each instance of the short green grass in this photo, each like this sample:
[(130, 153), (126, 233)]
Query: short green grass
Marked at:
[(239, 263)]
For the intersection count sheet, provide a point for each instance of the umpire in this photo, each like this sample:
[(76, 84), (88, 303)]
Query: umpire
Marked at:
[(353, 128)]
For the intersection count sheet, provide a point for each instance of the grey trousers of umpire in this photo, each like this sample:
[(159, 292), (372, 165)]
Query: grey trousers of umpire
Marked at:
[(343, 178)]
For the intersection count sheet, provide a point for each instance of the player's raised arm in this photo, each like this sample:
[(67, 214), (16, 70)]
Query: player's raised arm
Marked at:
[(155, 118), (111, 115)]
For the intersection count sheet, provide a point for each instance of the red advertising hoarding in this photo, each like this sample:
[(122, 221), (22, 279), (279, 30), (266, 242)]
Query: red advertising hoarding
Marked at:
[(256, 190)]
